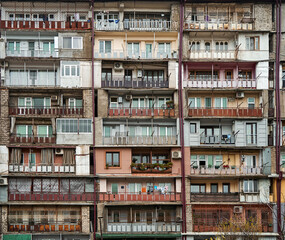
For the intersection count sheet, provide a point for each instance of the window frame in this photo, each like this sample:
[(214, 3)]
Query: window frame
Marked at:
[(72, 40), (256, 43), (112, 160), (103, 44)]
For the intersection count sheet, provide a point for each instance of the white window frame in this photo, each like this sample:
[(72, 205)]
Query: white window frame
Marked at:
[(256, 40), (165, 50), (114, 104), (48, 133), (249, 161), (65, 67), (72, 42), (66, 122), (250, 102), (195, 105), (133, 49), (195, 46), (104, 46), (250, 183), (26, 100), (27, 130)]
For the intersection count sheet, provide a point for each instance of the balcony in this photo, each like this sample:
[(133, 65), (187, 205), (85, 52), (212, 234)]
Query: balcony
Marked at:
[(133, 197), (44, 25), (217, 139), (45, 169), (164, 167), (214, 83), (32, 53), (123, 139), (218, 26), (141, 112), (214, 55), (143, 227), (225, 112), (45, 111), (44, 227), (136, 25), (32, 139), (214, 197), (226, 171), (121, 82), (140, 55), (50, 196)]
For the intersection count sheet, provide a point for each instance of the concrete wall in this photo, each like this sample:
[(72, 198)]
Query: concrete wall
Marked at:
[(4, 116), (103, 103), (262, 15), (74, 138), (173, 74), (87, 104)]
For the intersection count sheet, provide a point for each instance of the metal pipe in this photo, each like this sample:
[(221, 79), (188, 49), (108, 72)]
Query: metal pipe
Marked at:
[(93, 110), (181, 115), (278, 119)]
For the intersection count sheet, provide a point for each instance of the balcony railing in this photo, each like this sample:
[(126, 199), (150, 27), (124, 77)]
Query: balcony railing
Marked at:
[(229, 83), (121, 54), (46, 81), (142, 227), (45, 111), (121, 82), (52, 168), (214, 197), (225, 112), (229, 55), (218, 26), (140, 140), (136, 25), (32, 53), (32, 139), (147, 112), (151, 197), (217, 139), (49, 196), (232, 170), (46, 25), (44, 227)]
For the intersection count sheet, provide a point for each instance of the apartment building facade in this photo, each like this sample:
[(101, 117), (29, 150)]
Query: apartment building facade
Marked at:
[(92, 136)]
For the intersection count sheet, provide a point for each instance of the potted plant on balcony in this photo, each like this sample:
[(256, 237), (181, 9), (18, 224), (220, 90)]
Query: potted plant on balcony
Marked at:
[(133, 165), (217, 167), (170, 104), (226, 166), (107, 166), (210, 166), (270, 227), (168, 165)]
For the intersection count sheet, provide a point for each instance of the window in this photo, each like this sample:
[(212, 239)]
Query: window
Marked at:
[(138, 102), (48, 46), (165, 131), (44, 131), (226, 188), (114, 102), (194, 162), (73, 126), (250, 161), (208, 102), (214, 188), (221, 102), (203, 75), (153, 75), (283, 160), (195, 46), (13, 46), (194, 102), (251, 103), (24, 130), (106, 74), (164, 48), (252, 43), (135, 187), (113, 159), (218, 160), (198, 188), (25, 102), (32, 159), (105, 46), (133, 49), (283, 78), (250, 186), (244, 74), (207, 47), (75, 103), (70, 70), (251, 133), (193, 127), (221, 46), (72, 43)]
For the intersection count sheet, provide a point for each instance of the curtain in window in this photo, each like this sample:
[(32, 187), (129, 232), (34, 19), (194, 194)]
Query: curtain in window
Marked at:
[(68, 157), (16, 155), (47, 156), (76, 185)]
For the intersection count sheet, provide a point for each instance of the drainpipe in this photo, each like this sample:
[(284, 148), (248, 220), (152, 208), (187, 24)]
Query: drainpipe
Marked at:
[(181, 116), (93, 121), (278, 119)]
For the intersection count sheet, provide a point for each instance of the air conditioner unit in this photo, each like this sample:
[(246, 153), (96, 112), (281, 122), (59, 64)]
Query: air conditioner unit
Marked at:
[(129, 97), (3, 181), (54, 97), (176, 154), (240, 95), (139, 75), (237, 209), (118, 66), (59, 151)]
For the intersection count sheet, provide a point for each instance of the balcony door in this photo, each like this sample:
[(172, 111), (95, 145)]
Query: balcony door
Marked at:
[(148, 50), (251, 133)]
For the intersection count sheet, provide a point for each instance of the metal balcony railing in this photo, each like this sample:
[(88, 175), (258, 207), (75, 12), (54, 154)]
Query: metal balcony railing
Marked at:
[(215, 83), (150, 112), (214, 197), (230, 170), (16, 138), (44, 227), (143, 227), (122, 82), (44, 25), (140, 140), (32, 53), (45, 111), (218, 26), (213, 54), (225, 112), (217, 139), (41, 168), (146, 197)]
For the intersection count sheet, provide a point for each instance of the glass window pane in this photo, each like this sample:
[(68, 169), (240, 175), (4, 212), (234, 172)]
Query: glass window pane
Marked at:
[(67, 42)]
